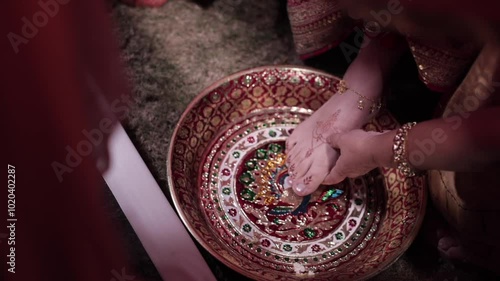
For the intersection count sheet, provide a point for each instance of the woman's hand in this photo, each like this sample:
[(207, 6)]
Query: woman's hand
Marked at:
[(360, 152)]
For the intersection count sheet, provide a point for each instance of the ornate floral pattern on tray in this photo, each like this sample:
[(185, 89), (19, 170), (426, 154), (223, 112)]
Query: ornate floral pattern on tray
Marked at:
[(228, 181)]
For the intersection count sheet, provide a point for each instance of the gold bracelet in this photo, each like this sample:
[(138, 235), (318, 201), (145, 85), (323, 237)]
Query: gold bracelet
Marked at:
[(399, 149), (376, 104)]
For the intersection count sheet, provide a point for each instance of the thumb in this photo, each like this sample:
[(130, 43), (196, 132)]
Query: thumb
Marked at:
[(333, 140), (336, 175)]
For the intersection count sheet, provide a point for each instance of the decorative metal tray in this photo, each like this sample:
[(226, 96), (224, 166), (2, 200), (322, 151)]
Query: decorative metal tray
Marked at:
[(228, 181)]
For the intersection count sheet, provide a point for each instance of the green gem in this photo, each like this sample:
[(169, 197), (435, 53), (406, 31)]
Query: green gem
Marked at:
[(226, 190), (272, 134), (296, 260), (259, 250), (310, 233), (324, 256), (236, 154), (306, 260), (268, 254), (247, 228), (339, 250), (328, 194), (246, 178), (287, 259), (250, 245), (358, 201), (315, 259), (277, 257), (332, 253), (251, 165), (261, 153), (247, 194), (277, 221), (276, 148), (287, 247), (243, 240), (339, 235)]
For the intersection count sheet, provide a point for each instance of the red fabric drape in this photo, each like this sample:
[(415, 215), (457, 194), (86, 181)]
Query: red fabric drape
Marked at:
[(48, 49)]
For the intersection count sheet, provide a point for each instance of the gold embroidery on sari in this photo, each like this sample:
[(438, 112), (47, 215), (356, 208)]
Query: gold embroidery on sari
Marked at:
[(317, 25), (441, 68)]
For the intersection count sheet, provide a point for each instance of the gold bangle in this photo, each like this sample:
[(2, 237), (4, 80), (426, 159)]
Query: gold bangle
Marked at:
[(376, 104), (399, 149)]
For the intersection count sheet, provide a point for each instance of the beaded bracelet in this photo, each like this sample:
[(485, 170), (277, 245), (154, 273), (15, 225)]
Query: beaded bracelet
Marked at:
[(376, 104), (400, 150)]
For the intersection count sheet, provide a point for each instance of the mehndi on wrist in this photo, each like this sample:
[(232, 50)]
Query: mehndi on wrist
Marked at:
[(375, 104), (400, 156)]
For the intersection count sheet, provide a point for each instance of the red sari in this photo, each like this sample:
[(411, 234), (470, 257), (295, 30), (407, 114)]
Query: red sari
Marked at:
[(62, 231)]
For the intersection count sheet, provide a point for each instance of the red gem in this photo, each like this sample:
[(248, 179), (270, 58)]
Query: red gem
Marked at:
[(226, 172), (265, 243), (316, 248), (251, 139)]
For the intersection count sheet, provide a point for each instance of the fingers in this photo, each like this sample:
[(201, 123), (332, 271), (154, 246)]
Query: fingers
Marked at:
[(337, 174)]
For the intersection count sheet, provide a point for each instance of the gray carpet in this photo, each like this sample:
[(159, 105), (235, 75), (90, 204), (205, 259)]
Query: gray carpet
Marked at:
[(173, 52)]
